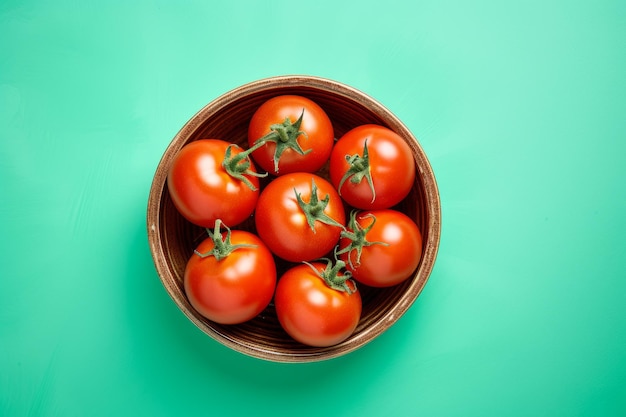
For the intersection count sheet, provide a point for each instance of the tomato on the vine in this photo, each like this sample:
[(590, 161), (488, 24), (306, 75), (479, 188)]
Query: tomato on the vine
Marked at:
[(372, 167), (212, 179), (317, 304), (299, 216), (290, 133), (231, 276), (381, 248)]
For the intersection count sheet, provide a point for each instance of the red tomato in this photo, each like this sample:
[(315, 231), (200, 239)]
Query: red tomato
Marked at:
[(202, 188), (311, 311), (298, 135), (381, 247), (299, 216), (372, 167), (235, 278)]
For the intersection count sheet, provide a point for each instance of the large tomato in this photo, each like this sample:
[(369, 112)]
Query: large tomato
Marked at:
[(292, 133), (300, 216), (372, 167), (381, 248), (231, 277), (207, 181), (317, 304)]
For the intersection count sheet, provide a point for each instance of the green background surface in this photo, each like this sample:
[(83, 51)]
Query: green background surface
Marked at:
[(519, 106)]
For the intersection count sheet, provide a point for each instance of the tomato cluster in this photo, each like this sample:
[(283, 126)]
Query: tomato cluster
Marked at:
[(322, 206)]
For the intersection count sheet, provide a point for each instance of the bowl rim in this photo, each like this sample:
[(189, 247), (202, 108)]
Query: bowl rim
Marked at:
[(423, 169)]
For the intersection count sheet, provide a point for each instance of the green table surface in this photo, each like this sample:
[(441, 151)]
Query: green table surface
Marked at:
[(520, 107)]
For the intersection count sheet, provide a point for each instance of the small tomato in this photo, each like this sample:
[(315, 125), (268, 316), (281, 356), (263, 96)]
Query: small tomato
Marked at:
[(381, 248), (231, 276), (317, 305), (290, 133), (208, 181), (372, 167), (299, 216)]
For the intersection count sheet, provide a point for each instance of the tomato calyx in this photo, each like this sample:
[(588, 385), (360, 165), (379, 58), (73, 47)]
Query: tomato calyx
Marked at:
[(331, 276), (285, 136), (358, 238), (359, 169), (314, 209), (238, 166), (222, 247)]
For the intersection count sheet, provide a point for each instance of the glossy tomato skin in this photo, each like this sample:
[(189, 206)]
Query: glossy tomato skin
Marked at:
[(282, 225), (235, 289), (311, 312), (318, 141), (201, 189), (385, 265), (392, 167)]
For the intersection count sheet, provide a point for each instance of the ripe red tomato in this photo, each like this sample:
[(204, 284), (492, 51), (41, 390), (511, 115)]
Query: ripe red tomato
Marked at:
[(314, 311), (231, 277), (297, 132), (300, 216), (372, 167), (381, 247), (203, 188)]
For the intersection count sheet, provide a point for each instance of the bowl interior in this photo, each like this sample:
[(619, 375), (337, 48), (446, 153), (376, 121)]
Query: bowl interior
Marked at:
[(173, 239)]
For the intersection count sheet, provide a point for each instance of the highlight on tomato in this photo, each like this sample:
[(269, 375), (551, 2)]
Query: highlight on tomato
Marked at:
[(318, 304), (290, 133), (372, 167), (212, 179), (381, 248), (231, 276), (300, 216)]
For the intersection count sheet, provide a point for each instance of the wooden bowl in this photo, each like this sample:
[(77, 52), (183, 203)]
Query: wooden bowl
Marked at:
[(172, 239)]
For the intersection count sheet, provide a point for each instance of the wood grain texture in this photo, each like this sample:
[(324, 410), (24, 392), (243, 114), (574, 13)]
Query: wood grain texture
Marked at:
[(172, 239)]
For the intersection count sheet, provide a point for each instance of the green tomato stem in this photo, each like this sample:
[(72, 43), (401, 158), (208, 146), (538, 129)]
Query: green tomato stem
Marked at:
[(238, 166), (331, 276), (222, 247), (285, 136), (358, 238), (314, 209), (359, 169)]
